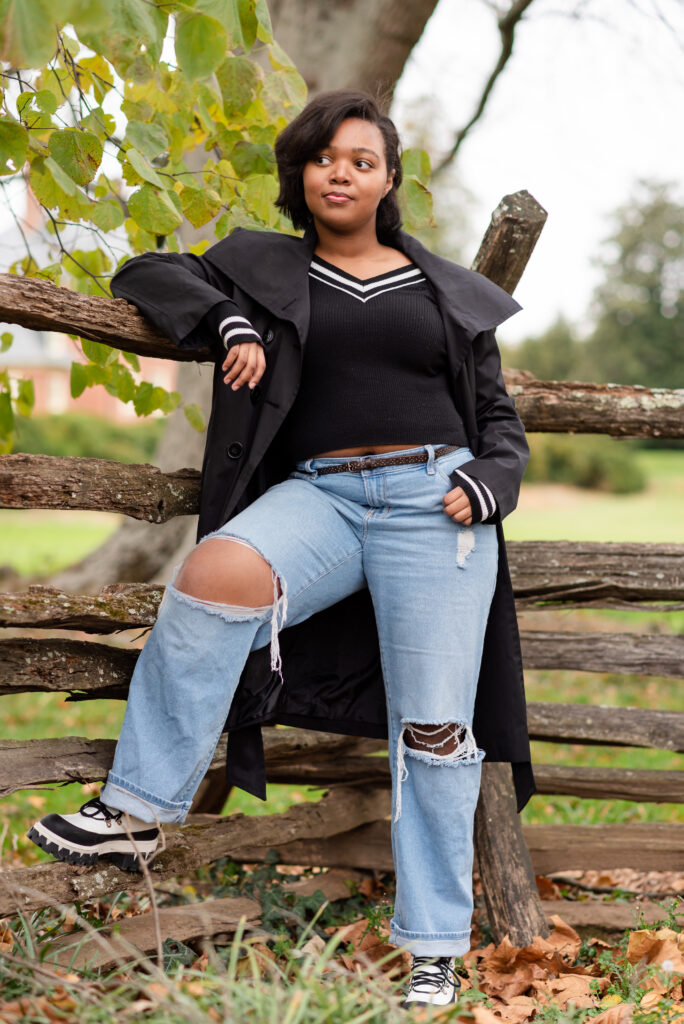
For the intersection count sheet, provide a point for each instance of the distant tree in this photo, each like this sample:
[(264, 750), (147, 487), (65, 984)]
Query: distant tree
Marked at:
[(639, 333), (554, 355)]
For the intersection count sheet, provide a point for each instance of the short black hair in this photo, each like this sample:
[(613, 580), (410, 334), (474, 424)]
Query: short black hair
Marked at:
[(311, 131)]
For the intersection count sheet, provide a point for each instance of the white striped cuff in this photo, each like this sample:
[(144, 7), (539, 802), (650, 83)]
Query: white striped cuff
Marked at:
[(482, 501), (238, 326)]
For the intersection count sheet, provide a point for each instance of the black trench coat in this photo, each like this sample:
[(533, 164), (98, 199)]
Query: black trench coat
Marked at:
[(331, 663)]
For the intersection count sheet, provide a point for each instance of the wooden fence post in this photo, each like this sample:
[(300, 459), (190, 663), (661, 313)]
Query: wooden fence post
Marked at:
[(510, 891), (513, 904)]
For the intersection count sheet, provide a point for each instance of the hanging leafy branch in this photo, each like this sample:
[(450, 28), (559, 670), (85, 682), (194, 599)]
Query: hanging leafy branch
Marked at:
[(101, 105)]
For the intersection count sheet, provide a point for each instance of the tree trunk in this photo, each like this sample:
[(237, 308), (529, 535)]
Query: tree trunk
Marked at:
[(353, 44)]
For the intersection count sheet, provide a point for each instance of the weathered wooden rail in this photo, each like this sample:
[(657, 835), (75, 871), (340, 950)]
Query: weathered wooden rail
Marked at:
[(349, 826)]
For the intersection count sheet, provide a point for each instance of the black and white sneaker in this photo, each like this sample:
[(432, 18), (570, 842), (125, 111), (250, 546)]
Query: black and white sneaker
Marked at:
[(96, 831), (433, 982)]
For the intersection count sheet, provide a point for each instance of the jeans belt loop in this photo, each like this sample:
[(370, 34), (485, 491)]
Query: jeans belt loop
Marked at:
[(431, 459)]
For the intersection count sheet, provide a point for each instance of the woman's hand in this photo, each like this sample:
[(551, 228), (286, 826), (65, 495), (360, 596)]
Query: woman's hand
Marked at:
[(245, 362), (457, 506)]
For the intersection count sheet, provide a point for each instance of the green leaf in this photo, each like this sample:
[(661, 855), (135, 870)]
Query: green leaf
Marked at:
[(264, 29), (100, 123), (259, 194), (416, 163), (41, 99), (132, 359), (194, 416), (28, 36), (237, 78), (122, 383), (278, 58), (6, 340), (249, 25), (148, 139), (78, 153), (201, 45), (79, 379), (200, 205), (99, 72), (99, 353), (132, 24), (107, 215), (148, 397), (155, 210), (284, 91), (238, 17), (13, 145), (26, 397), (61, 178), (141, 167), (172, 400), (6, 415), (416, 204), (248, 159)]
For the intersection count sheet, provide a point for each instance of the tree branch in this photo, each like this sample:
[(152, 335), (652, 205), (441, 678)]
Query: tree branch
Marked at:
[(507, 25)]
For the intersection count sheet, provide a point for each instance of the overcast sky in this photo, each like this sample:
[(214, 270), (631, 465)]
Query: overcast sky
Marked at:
[(585, 108)]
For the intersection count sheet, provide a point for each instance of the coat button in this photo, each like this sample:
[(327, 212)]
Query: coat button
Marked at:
[(268, 337), (234, 449)]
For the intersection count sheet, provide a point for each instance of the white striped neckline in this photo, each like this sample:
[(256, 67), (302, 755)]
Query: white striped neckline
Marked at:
[(364, 290)]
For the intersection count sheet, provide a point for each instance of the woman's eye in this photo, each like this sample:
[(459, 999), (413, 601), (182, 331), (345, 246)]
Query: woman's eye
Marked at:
[(363, 163), (322, 159)]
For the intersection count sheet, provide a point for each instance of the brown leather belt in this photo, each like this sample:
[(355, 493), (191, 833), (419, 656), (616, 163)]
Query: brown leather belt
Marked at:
[(361, 462)]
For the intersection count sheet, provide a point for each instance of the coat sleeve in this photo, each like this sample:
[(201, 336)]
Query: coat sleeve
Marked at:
[(186, 298), (492, 479)]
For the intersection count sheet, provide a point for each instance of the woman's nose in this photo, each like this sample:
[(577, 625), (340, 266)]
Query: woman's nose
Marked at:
[(339, 172)]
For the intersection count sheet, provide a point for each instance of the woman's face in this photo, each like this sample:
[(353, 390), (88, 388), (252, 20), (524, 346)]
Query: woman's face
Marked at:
[(346, 180)]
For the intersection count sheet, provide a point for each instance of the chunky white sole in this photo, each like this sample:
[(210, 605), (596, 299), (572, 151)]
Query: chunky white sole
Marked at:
[(119, 850)]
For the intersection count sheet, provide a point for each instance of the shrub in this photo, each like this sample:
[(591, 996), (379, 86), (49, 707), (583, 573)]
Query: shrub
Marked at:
[(79, 434), (585, 461)]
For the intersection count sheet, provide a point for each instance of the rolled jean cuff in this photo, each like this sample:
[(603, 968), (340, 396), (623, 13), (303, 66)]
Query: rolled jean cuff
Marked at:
[(442, 944), (124, 796)]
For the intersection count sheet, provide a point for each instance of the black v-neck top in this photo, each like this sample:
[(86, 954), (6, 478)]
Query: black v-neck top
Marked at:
[(375, 365)]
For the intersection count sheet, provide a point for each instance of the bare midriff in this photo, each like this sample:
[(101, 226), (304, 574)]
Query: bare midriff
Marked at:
[(371, 449)]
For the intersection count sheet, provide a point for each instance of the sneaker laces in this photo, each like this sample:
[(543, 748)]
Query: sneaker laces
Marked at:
[(435, 973), (96, 809)]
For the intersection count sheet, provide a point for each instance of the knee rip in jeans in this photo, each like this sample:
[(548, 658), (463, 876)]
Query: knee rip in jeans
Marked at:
[(449, 744), (242, 613)]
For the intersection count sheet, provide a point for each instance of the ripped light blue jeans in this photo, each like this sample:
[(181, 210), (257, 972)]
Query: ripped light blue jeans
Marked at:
[(431, 581)]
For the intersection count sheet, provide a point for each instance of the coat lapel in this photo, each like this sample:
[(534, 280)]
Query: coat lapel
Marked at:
[(272, 268), (470, 299)]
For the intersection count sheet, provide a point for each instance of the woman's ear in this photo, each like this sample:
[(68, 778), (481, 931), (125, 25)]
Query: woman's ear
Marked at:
[(390, 182)]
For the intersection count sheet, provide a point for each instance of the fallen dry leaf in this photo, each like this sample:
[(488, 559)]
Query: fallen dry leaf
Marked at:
[(547, 889), (663, 947), (572, 988), (517, 1010), (621, 1014)]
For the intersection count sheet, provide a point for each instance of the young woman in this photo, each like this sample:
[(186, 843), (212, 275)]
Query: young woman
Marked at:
[(361, 453)]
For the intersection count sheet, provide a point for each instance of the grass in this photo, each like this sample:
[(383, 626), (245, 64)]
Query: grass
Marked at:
[(561, 512), (41, 541), (300, 965)]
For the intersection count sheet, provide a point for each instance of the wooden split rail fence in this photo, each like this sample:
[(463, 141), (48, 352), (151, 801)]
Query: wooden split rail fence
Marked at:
[(349, 826)]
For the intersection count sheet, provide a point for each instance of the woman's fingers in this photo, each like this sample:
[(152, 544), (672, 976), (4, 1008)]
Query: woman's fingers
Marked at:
[(245, 363), (457, 506)]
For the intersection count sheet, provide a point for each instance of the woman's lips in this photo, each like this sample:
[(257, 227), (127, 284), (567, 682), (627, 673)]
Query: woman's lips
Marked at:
[(337, 197)]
